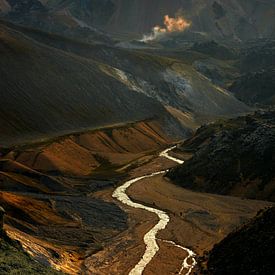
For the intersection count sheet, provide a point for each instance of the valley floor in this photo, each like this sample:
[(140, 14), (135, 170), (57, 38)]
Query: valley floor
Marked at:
[(197, 221), (80, 228)]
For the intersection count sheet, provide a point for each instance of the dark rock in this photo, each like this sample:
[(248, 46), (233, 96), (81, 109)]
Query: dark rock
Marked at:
[(248, 250), (256, 87), (2, 214), (218, 10), (214, 49), (240, 154)]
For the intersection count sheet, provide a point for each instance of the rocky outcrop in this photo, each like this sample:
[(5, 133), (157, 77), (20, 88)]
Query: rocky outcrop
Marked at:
[(235, 157), (248, 250)]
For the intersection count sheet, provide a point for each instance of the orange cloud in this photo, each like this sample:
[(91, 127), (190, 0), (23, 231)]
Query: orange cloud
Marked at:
[(177, 24)]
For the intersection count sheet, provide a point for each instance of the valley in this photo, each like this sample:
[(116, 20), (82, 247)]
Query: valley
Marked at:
[(137, 137), (79, 226), (53, 201)]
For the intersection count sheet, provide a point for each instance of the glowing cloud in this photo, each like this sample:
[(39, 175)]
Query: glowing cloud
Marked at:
[(177, 24)]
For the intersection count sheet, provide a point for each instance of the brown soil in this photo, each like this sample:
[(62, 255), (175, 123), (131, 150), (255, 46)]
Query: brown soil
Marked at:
[(48, 191), (63, 219), (84, 154), (198, 221), (167, 261)]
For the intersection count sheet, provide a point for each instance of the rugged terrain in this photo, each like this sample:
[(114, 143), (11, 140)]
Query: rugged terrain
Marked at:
[(86, 107), (68, 76), (234, 19), (57, 195), (47, 92), (255, 86), (234, 157), (13, 260), (248, 250), (48, 190), (197, 221)]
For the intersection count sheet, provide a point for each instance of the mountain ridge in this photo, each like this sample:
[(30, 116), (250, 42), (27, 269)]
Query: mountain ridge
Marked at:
[(235, 20)]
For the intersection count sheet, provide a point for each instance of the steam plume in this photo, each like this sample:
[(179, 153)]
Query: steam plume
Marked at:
[(177, 24)]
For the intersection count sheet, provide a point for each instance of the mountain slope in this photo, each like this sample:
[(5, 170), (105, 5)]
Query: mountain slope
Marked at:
[(256, 88), (47, 92), (14, 260), (234, 19), (256, 85), (63, 17), (58, 65), (248, 250), (234, 157)]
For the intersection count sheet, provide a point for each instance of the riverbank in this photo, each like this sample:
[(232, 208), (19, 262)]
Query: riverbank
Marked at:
[(197, 221)]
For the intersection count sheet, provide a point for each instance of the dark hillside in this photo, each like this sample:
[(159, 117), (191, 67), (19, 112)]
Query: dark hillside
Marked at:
[(45, 91), (234, 157), (248, 250)]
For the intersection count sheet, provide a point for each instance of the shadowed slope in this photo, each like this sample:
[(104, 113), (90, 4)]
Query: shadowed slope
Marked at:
[(248, 250), (47, 92), (234, 157)]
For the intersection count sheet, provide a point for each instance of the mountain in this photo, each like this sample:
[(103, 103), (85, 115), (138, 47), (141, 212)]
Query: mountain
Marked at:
[(248, 250), (4, 6), (256, 88), (234, 19), (48, 92), (87, 105), (232, 157), (39, 68), (53, 18), (257, 55), (256, 85)]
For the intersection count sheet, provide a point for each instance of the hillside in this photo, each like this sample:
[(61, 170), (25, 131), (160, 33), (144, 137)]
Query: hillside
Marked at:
[(55, 17), (48, 190), (48, 92), (14, 260), (234, 157), (128, 142), (248, 250), (255, 85), (168, 91), (256, 88)]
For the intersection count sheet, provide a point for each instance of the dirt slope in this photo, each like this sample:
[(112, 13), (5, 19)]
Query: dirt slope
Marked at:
[(48, 190)]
